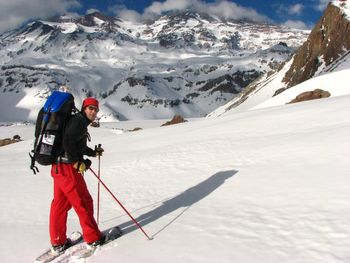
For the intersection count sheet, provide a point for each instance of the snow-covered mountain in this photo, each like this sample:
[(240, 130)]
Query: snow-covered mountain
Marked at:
[(326, 50), (186, 63)]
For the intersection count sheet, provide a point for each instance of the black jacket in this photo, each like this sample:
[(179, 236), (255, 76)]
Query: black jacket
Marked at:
[(75, 138)]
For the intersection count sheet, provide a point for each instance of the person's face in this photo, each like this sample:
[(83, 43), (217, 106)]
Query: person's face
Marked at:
[(91, 112)]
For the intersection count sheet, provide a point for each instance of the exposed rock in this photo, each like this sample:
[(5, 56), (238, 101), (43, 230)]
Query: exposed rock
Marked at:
[(311, 95), (231, 83), (136, 81), (175, 120), (7, 141), (329, 39), (136, 129), (89, 19), (16, 138), (279, 91), (168, 40)]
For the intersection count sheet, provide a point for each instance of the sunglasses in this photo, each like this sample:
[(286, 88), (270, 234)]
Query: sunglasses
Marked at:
[(92, 108)]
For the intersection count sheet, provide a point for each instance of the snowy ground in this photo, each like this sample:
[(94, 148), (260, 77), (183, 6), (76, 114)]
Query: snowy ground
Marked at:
[(266, 185)]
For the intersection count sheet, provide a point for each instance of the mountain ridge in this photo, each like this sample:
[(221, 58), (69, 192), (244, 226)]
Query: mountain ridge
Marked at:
[(180, 64)]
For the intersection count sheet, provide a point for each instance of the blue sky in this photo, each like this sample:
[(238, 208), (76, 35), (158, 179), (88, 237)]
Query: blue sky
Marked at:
[(300, 14)]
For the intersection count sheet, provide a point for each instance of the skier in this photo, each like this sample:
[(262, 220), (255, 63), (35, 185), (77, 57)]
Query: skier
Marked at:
[(70, 189)]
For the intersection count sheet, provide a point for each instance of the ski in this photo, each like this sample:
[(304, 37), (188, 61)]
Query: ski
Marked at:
[(86, 251), (48, 255)]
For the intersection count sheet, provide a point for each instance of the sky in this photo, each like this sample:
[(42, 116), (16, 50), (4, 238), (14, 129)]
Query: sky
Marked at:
[(298, 14)]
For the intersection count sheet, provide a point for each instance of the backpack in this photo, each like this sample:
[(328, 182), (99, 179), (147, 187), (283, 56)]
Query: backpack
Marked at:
[(49, 128)]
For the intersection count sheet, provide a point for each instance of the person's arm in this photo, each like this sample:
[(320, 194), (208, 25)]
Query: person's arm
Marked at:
[(89, 152)]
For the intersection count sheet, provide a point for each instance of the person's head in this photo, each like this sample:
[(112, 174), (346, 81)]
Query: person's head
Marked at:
[(90, 108)]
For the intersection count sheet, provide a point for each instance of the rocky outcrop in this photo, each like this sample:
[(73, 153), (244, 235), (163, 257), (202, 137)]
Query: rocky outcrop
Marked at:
[(231, 83), (89, 19), (175, 120), (7, 141), (329, 39), (311, 95)]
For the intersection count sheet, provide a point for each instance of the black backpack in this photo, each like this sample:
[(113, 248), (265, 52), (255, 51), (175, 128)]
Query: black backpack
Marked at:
[(49, 128)]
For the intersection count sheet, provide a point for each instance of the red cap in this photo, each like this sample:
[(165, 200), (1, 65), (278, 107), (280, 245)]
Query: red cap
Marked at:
[(90, 102)]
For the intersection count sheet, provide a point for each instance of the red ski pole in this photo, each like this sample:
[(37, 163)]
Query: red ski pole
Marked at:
[(98, 188), (121, 205)]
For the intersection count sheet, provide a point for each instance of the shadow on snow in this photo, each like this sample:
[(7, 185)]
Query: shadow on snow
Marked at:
[(185, 199)]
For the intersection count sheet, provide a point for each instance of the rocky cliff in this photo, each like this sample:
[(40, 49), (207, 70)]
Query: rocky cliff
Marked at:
[(328, 41)]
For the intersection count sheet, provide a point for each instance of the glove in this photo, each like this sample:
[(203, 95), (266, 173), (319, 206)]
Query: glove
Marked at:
[(82, 166), (99, 150)]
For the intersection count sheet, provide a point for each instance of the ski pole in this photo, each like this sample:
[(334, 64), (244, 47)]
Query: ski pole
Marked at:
[(121, 205), (98, 187)]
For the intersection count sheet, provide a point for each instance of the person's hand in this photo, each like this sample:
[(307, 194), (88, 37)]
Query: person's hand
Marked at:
[(99, 150), (82, 166)]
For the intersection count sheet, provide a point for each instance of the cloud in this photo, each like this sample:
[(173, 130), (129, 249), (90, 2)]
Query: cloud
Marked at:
[(122, 12), (295, 9), (160, 7), (231, 10), (222, 8), (321, 5), (15, 12), (91, 10), (295, 24)]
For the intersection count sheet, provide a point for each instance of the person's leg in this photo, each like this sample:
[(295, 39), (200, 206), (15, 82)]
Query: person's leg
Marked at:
[(60, 206), (78, 195)]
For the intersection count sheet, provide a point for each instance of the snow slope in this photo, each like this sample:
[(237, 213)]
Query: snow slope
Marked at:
[(335, 83), (266, 185), (334, 79)]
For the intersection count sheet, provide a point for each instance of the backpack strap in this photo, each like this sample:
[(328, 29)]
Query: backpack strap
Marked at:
[(37, 144), (32, 164), (61, 154)]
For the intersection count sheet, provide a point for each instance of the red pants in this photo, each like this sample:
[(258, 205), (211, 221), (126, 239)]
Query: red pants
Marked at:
[(70, 190)]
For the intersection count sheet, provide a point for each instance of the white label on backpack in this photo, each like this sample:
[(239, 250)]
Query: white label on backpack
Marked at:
[(48, 139)]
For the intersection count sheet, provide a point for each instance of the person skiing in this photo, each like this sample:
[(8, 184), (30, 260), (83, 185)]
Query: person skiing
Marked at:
[(70, 189)]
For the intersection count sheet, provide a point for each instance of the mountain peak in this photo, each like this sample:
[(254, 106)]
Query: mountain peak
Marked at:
[(329, 39), (94, 19), (189, 14)]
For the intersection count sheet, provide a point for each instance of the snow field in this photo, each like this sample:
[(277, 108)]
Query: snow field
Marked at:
[(265, 185)]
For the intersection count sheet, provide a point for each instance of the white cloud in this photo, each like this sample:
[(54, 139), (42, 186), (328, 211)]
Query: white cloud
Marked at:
[(160, 7), (231, 10), (223, 8), (295, 24), (14, 12), (130, 15), (122, 12), (322, 4), (295, 9), (92, 10)]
